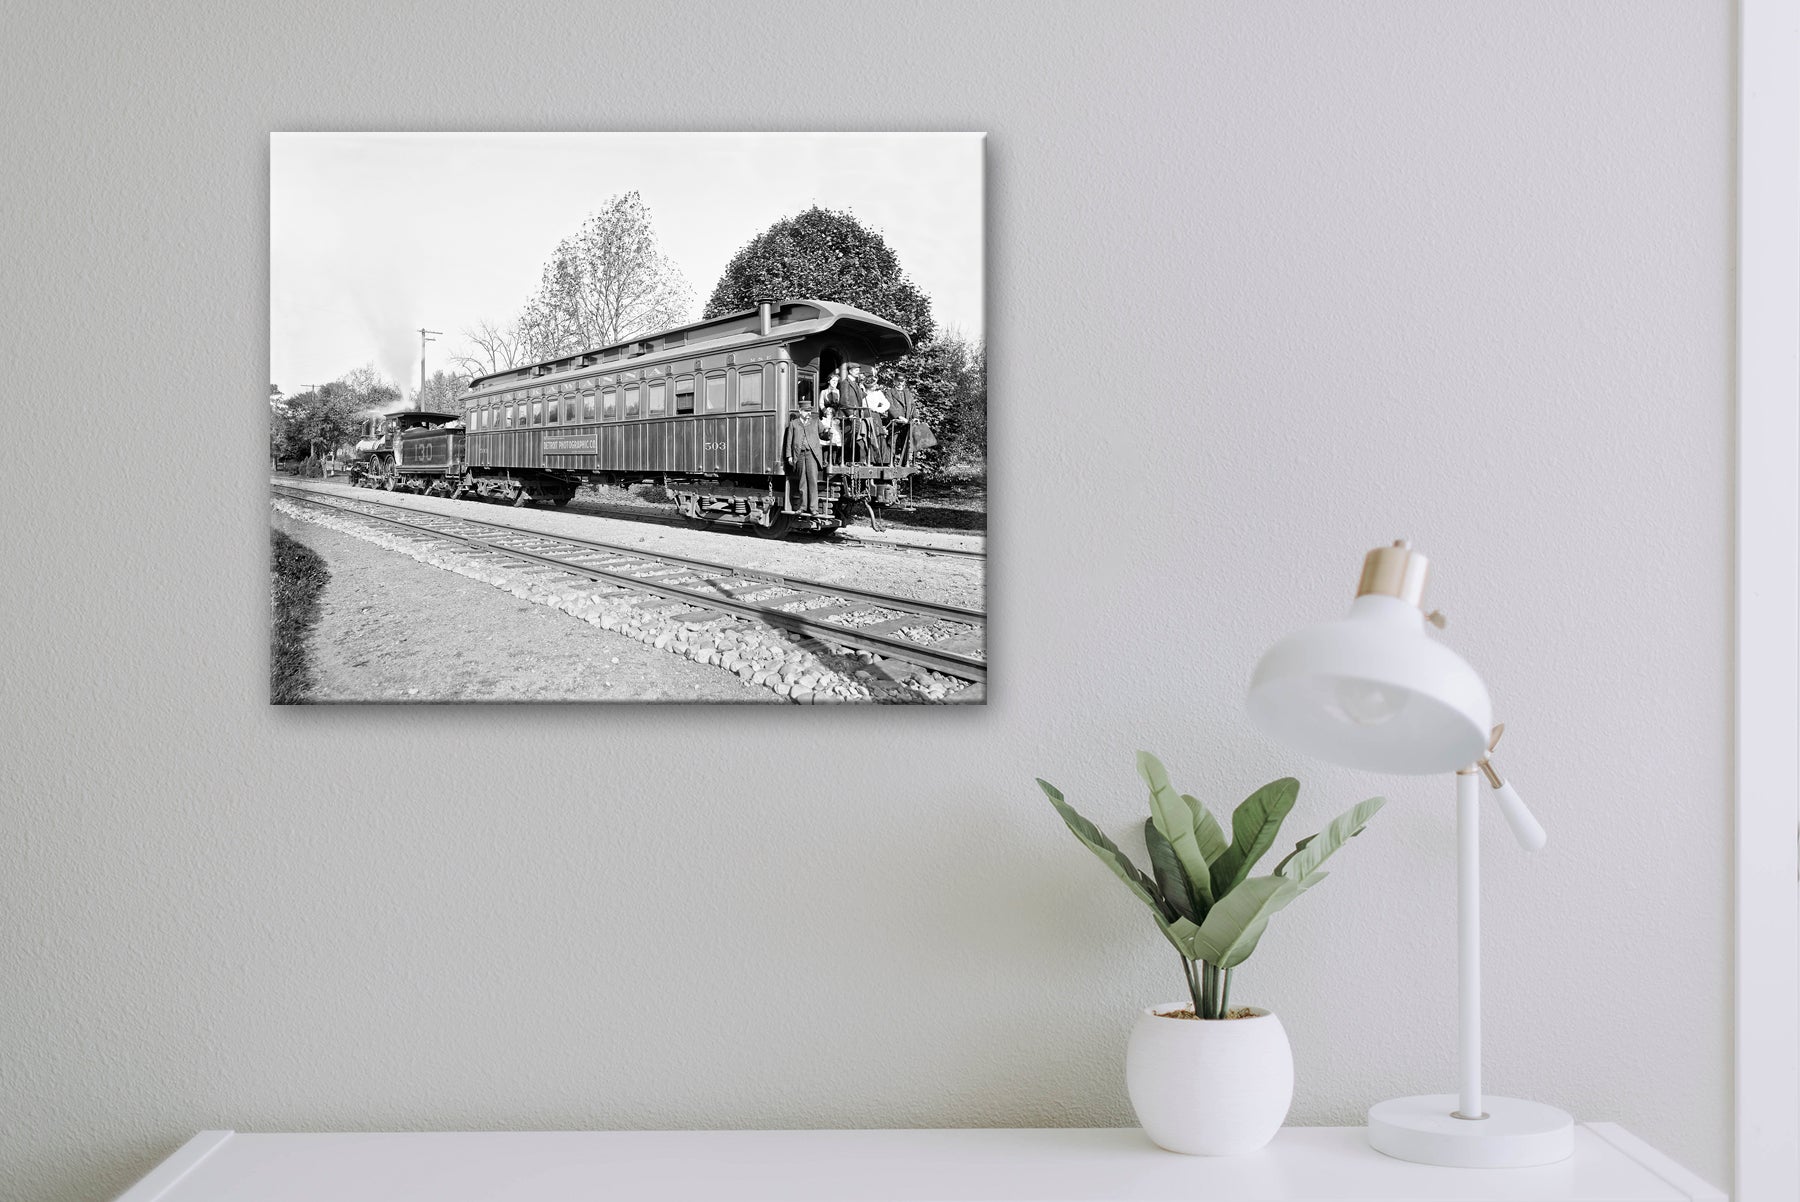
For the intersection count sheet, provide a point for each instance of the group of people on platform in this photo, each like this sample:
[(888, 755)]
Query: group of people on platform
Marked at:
[(861, 419)]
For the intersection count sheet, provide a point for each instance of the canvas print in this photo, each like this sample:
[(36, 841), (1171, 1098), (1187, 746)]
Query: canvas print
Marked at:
[(627, 418)]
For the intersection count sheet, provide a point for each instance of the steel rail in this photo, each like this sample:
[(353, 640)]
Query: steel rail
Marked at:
[(948, 662), (928, 609), (653, 518), (959, 552)]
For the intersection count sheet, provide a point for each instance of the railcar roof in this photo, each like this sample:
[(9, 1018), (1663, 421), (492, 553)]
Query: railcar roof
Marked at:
[(792, 320)]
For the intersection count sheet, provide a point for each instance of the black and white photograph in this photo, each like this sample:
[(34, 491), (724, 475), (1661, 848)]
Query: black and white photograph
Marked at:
[(680, 417)]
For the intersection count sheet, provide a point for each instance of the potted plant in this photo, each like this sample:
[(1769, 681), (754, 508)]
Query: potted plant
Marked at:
[(1205, 1077)]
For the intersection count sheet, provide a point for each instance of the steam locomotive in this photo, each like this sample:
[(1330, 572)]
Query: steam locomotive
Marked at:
[(699, 409)]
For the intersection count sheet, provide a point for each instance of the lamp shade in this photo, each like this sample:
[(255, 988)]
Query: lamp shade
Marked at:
[(1373, 691)]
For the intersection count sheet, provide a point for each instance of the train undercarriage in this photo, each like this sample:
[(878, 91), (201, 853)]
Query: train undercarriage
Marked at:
[(761, 506)]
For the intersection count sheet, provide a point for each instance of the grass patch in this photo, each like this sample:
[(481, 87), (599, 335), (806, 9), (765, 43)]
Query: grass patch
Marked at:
[(297, 577)]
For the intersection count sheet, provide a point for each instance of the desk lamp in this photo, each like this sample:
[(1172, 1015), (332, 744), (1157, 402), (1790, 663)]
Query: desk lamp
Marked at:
[(1374, 691)]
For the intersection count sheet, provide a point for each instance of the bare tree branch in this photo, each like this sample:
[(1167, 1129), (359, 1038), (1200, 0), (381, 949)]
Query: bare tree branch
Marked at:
[(608, 283)]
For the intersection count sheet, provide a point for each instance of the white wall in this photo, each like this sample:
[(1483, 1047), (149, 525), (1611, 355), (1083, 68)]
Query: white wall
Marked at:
[(1271, 284)]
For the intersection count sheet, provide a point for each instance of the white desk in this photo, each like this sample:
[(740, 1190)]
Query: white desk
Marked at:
[(1317, 1164)]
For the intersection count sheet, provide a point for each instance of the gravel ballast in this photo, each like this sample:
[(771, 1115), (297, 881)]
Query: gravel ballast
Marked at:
[(858, 560), (790, 666)]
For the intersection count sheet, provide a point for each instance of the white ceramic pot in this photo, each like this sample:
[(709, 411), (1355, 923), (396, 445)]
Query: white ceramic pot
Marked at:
[(1218, 1087)]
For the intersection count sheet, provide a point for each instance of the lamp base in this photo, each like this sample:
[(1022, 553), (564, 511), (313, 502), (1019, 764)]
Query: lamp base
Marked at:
[(1514, 1134)]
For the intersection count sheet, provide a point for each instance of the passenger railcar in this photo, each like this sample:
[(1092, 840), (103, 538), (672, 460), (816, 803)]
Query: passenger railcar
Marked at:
[(699, 409)]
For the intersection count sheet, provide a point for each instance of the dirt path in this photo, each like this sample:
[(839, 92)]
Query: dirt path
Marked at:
[(393, 629)]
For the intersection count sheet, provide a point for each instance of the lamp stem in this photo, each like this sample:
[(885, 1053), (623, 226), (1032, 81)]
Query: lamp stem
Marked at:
[(1468, 941)]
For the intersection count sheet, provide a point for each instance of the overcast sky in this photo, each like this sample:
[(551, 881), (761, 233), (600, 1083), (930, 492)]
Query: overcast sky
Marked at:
[(373, 235)]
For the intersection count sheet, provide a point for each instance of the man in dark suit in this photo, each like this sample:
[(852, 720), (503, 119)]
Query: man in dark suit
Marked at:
[(900, 415), (800, 452)]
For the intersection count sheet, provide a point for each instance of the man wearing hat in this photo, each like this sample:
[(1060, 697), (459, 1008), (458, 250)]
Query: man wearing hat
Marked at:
[(800, 452)]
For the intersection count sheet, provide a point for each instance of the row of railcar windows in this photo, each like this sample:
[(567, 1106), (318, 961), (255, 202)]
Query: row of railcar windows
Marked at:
[(628, 401)]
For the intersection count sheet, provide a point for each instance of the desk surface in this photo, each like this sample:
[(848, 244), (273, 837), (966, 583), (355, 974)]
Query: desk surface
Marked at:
[(1317, 1164)]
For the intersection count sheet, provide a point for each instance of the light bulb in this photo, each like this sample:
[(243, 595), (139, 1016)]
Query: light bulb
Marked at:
[(1368, 704)]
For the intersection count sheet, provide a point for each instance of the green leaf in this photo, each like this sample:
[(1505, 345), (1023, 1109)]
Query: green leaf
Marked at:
[(1170, 876), (1176, 821), (1207, 832), (1298, 848), (1236, 922), (1182, 933), (1110, 855), (1302, 864), (1254, 825)]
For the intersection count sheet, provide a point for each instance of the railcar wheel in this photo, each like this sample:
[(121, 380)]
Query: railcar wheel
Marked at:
[(521, 498), (778, 526), (562, 502)]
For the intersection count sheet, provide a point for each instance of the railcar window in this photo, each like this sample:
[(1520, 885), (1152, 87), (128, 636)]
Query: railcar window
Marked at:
[(715, 393), (750, 388), (659, 398), (587, 406), (684, 395), (537, 413), (555, 411), (609, 404), (631, 400), (570, 402)]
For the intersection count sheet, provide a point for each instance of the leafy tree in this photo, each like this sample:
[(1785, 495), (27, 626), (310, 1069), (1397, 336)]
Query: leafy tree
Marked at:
[(278, 416), (607, 283), (443, 392), (955, 377), (324, 418), (832, 256), (828, 255)]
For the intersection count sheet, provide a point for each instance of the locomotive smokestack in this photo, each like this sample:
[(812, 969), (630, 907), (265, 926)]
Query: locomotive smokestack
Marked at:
[(765, 316)]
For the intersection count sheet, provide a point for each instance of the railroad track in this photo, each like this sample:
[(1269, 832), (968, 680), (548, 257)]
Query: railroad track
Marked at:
[(651, 517), (943, 638), (625, 513)]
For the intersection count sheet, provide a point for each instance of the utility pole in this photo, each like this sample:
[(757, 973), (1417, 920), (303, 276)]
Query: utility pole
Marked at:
[(424, 337)]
